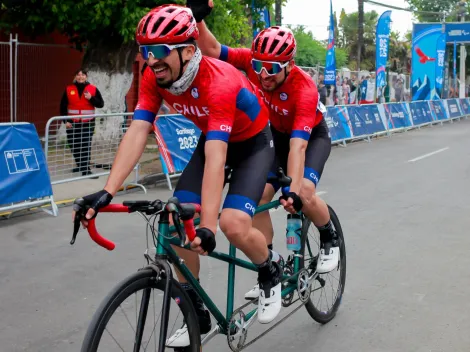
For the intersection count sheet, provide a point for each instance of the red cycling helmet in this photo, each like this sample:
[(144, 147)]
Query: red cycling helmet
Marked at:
[(167, 24), (274, 44)]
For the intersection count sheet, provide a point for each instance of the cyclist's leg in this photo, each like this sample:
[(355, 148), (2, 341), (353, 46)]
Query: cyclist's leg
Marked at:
[(262, 221), (315, 208), (251, 165), (188, 190)]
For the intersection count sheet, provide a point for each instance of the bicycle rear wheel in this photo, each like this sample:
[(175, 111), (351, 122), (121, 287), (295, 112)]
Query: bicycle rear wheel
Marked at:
[(327, 289), (117, 317)]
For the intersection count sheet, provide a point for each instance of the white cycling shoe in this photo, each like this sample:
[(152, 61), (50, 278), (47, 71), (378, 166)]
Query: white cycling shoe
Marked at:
[(269, 304), (179, 339), (328, 260), (254, 292)]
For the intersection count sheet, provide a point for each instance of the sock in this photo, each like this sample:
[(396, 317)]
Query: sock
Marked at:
[(327, 233), (275, 257), (201, 312), (197, 301), (266, 271)]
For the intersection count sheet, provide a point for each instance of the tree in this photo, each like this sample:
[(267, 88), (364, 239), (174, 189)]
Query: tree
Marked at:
[(311, 52), (278, 12), (448, 6), (360, 32), (105, 29), (400, 52), (349, 38)]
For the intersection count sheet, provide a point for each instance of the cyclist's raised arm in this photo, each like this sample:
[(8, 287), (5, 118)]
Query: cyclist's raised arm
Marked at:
[(207, 42), (210, 46)]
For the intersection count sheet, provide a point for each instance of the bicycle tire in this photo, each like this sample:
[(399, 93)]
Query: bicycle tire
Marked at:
[(140, 280), (320, 316)]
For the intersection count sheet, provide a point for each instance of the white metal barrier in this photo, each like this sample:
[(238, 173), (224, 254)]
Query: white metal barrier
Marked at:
[(76, 150)]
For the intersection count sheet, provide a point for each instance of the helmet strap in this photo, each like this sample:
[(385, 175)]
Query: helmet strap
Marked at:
[(182, 63)]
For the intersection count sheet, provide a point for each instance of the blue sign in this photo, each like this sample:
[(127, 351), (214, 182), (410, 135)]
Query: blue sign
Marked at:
[(458, 32), (420, 112), (381, 50), (365, 119), (177, 138), (441, 53), (337, 121), (424, 60), (438, 110), (464, 106), (398, 116), (330, 67), (265, 18), (23, 168), (453, 108)]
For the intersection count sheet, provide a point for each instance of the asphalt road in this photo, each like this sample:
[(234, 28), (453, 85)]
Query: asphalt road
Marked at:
[(406, 226)]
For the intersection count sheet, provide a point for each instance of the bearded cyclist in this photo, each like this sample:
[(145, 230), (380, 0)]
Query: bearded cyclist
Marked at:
[(301, 137), (230, 112)]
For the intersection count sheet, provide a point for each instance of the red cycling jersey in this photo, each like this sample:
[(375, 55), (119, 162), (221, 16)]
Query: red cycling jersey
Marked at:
[(221, 102), (293, 106)]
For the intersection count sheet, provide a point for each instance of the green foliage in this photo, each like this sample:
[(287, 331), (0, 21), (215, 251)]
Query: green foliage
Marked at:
[(348, 35), (311, 52), (450, 7), (113, 22)]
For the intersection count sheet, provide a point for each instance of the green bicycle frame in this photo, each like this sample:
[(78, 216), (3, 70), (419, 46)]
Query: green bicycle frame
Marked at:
[(164, 249)]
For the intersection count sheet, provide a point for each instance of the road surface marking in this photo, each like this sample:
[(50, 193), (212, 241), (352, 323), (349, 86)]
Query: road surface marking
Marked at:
[(427, 155)]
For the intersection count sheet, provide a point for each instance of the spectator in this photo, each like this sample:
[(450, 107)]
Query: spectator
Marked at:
[(323, 92), (80, 98)]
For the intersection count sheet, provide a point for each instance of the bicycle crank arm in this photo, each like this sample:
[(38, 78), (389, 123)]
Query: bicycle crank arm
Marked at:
[(213, 333)]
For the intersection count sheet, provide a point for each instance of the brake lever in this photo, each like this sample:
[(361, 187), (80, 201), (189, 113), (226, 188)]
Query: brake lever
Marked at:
[(181, 233), (78, 206)]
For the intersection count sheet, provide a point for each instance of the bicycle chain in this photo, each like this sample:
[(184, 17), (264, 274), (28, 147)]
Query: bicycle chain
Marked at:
[(255, 301)]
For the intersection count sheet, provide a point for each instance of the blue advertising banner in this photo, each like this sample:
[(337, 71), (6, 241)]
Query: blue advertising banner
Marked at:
[(365, 120), (398, 116), (458, 32), (23, 168), (265, 18), (337, 120), (464, 106), (424, 61), (441, 52), (177, 138), (330, 67), (438, 110), (381, 50), (453, 108), (420, 112)]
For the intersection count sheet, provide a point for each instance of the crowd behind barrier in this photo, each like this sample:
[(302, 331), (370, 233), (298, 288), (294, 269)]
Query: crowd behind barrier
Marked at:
[(27, 173)]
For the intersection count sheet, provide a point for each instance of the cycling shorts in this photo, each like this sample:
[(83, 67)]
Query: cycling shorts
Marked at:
[(316, 155), (250, 162)]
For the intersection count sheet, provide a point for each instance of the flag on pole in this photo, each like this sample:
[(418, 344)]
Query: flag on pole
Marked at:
[(330, 69)]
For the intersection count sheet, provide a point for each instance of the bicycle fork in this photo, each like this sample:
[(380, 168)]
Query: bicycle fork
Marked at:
[(166, 303)]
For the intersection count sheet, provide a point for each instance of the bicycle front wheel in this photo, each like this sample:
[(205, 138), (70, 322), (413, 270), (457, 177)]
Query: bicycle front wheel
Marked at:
[(327, 289), (134, 305)]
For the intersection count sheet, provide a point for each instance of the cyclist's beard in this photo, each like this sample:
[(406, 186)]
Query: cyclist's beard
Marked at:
[(269, 84), (164, 75)]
